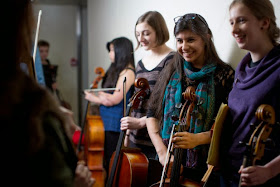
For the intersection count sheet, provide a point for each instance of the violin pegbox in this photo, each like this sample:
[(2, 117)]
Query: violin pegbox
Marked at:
[(266, 114)]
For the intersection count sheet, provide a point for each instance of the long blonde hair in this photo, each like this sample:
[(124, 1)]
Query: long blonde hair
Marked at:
[(262, 9)]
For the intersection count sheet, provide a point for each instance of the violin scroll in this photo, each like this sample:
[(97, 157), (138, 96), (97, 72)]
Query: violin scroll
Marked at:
[(189, 94), (266, 114)]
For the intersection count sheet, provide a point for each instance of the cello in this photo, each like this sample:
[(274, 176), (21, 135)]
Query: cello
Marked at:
[(129, 166), (93, 130)]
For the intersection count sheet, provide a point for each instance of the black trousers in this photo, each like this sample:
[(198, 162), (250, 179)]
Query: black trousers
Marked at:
[(110, 144)]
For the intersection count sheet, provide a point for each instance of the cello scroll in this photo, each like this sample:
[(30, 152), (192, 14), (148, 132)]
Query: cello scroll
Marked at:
[(101, 73)]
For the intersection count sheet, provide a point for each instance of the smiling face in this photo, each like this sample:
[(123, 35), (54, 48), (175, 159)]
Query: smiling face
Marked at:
[(246, 28), (146, 35), (191, 47)]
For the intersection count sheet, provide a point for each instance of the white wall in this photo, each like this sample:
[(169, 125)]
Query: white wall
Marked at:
[(58, 27), (108, 19)]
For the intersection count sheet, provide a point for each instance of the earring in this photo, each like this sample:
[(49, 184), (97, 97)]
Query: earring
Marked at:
[(261, 28)]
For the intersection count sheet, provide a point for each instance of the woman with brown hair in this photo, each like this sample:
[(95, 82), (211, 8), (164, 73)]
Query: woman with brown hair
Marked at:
[(197, 64), (152, 34)]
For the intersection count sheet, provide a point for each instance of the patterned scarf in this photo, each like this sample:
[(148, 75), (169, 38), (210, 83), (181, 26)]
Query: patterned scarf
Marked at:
[(202, 114), (203, 111)]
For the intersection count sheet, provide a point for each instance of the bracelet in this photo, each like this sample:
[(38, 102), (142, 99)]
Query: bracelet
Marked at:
[(127, 134)]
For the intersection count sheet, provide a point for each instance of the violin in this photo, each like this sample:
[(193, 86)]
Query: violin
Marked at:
[(129, 166), (183, 125), (255, 147), (93, 138)]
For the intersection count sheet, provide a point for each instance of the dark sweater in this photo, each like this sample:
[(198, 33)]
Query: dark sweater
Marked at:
[(253, 86), (140, 136)]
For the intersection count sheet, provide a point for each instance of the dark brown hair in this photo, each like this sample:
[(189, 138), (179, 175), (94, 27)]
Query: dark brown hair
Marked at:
[(43, 43), (196, 24)]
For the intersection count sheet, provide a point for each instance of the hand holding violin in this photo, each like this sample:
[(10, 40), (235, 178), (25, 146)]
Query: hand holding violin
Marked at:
[(185, 140), (254, 175), (250, 173)]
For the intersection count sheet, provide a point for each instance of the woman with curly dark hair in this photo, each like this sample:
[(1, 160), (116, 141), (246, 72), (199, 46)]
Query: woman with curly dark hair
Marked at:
[(197, 64)]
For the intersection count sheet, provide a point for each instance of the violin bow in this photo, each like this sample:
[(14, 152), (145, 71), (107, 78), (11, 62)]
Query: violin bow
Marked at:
[(102, 89), (167, 158), (124, 96), (119, 145), (36, 40)]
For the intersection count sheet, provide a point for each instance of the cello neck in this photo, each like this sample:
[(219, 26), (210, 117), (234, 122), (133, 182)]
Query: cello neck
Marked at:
[(118, 150)]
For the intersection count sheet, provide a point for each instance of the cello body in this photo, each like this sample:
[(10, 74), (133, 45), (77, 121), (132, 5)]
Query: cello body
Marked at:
[(133, 170), (94, 143)]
